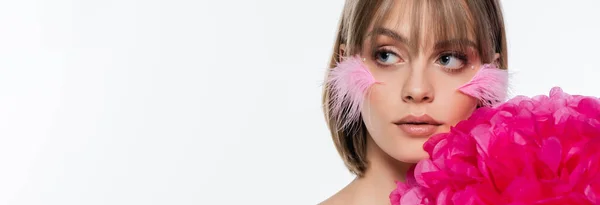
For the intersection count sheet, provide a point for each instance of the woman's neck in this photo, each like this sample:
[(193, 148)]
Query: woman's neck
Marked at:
[(383, 168), (381, 174), (378, 181)]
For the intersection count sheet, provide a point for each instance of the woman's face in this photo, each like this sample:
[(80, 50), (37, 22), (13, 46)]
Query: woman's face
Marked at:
[(418, 95)]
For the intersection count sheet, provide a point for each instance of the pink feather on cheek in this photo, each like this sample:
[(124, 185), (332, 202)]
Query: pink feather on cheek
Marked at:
[(489, 85), (349, 84)]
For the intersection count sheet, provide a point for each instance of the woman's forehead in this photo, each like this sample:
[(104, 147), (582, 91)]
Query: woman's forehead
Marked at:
[(425, 23)]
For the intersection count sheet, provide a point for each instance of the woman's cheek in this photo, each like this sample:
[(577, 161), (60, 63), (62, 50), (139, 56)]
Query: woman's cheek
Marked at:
[(378, 103), (463, 106)]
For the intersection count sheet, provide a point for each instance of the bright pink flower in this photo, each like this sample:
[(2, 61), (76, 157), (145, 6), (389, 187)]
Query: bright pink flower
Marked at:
[(542, 150)]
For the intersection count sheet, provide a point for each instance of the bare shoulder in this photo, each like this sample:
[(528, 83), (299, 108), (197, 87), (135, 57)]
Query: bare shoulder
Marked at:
[(337, 199), (343, 197)]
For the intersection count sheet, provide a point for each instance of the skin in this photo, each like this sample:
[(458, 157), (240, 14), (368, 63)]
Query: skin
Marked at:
[(418, 78)]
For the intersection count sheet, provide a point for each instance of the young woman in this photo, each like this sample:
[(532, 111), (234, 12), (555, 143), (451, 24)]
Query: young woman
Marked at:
[(422, 50)]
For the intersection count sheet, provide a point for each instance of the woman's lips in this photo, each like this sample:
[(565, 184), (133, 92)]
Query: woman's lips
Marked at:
[(418, 126), (418, 130)]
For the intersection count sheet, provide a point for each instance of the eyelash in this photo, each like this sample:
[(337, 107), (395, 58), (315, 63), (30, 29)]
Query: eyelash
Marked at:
[(383, 50), (457, 54)]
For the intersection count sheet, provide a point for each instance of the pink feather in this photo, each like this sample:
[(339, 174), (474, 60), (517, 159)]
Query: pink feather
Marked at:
[(489, 85), (350, 81)]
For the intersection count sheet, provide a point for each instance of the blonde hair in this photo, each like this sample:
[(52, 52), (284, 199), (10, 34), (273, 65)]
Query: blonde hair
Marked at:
[(452, 18)]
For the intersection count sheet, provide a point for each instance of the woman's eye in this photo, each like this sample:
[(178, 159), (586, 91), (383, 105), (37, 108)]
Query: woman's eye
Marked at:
[(451, 61), (387, 58)]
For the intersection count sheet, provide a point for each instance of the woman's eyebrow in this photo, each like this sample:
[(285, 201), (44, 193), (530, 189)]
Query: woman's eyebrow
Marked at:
[(439, 45), (390, 33), (454, 43)]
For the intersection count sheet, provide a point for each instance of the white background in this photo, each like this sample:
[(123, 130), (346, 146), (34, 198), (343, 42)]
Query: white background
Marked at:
[(208, 102)]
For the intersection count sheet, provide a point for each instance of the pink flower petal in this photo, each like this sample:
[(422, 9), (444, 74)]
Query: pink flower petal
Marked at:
[(551, 153), (543, 150)]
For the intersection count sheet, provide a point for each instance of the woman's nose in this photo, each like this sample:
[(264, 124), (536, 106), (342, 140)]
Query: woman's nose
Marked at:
[(417, 88)]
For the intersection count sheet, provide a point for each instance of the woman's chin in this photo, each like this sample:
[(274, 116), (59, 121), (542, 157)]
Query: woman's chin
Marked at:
[(409, 150), (410, 155)]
